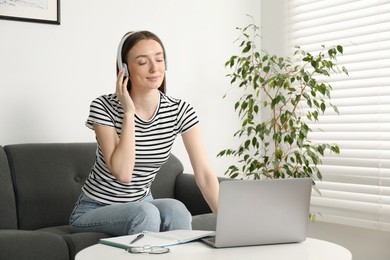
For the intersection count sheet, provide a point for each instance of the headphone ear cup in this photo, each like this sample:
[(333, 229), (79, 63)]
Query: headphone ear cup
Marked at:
[(126, 70)]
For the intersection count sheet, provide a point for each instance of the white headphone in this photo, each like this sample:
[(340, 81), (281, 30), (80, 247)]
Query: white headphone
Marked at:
[(123, 65)]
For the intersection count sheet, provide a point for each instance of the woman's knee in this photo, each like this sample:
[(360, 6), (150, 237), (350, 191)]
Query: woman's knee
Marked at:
[(171, 205), (147, 218), (174, 214)]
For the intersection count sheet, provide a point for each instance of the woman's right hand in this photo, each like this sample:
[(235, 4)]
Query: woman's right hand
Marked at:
[(123, 94)]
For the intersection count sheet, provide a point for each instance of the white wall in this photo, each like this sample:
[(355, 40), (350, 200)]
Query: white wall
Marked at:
[(363, 243), (49, 74)]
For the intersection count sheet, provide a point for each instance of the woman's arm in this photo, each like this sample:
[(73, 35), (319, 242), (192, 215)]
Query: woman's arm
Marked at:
[(119, 152), (204, 175)]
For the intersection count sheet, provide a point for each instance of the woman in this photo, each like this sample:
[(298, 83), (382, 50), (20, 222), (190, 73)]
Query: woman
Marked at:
[(135, 129)]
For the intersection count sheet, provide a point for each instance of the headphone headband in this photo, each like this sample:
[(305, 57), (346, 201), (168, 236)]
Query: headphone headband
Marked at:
[(121, 64)]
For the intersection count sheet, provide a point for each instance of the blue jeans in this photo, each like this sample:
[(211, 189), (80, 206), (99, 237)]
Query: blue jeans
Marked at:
[(129, 218)]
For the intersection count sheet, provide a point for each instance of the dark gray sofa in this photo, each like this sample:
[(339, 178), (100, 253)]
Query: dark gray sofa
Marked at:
[(39, 185)]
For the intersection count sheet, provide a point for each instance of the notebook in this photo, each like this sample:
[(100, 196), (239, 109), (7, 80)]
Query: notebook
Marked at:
[(260, 212), (165, 239)]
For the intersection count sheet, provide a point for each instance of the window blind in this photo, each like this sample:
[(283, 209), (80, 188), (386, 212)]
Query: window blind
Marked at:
[(356, 183)]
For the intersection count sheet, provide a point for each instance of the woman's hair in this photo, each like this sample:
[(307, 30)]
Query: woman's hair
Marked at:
[(129, 43)]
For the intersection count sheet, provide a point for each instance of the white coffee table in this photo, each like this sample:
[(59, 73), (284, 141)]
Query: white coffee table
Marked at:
[(311, 249)]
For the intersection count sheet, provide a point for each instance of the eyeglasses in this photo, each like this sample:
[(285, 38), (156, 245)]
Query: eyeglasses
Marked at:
[(148, 249)]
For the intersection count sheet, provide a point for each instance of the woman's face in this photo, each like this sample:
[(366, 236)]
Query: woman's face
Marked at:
[(146, 65)]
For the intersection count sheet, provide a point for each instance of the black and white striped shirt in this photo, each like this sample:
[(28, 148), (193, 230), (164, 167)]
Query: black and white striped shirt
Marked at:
[(153, 140)]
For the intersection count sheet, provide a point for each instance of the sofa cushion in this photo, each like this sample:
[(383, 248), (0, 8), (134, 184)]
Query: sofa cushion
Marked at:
[(48, 180), (163, 185), (7, 198), (188, 192), (78, 241), (23, 244)]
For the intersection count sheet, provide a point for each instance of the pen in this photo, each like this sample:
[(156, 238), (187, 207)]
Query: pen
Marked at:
[(137, 238)]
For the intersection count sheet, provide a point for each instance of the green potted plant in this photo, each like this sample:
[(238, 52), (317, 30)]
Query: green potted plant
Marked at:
[(280, 96)]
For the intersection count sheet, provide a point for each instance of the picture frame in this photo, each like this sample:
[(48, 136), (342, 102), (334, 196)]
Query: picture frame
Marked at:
[(36, 11)]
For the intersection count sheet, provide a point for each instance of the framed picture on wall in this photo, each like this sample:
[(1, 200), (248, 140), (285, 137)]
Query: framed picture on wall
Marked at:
[(37, 11)]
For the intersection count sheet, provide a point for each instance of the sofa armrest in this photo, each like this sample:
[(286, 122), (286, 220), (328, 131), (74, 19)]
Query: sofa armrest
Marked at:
[(187, 191)]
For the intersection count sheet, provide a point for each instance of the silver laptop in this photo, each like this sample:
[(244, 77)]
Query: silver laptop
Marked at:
[(261, 212)]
